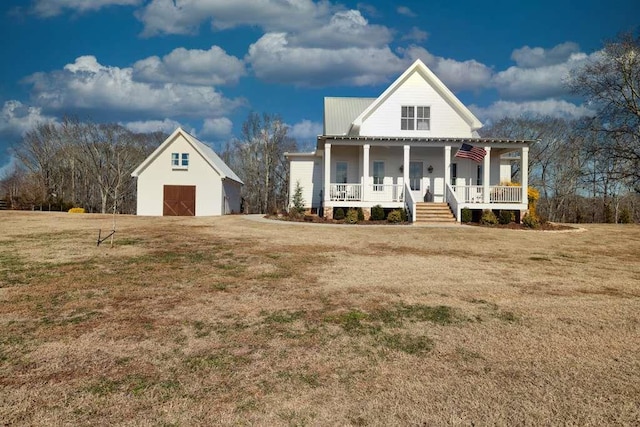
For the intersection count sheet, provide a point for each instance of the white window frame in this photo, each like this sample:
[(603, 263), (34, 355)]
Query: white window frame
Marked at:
[(415, 117), (423, 117), (407, 117), (180, 160)]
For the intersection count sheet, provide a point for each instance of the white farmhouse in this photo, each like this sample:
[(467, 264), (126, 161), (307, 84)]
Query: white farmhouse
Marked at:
[(415, 146), (185, 177)]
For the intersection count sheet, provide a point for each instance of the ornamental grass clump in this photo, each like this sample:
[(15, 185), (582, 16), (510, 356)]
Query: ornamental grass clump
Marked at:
[(76, 210), (395, 216), (488, 218), (351, 217)]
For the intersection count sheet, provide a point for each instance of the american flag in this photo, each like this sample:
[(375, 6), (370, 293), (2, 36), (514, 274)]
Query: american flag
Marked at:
[(468, 151)]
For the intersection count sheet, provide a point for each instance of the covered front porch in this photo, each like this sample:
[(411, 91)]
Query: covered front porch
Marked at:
[(401, 172)]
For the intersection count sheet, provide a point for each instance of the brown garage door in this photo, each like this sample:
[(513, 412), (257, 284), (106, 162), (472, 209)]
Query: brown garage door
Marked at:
[(179, 200)]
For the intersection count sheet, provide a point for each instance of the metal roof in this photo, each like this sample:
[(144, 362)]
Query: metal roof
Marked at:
[(340, 112), (418, 139)]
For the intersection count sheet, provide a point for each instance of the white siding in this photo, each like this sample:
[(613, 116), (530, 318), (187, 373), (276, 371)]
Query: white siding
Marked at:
[(415, 91), (351, 155), (231, 196), (308, 172), (159, 173)]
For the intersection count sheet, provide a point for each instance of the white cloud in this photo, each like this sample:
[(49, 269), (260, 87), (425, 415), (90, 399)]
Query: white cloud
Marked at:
[(527, 57), (49, 8), (538, 83), (416, 34), (456, 75), (547, 107), (273, 59), (345, 28), (186, 16), (404, 10), (149, 126), (217, 127), (87, 86), (194, 67), (305, 130), (17, 118)]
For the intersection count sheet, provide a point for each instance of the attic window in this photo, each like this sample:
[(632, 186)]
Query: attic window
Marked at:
[(180, 160), (409, 120)]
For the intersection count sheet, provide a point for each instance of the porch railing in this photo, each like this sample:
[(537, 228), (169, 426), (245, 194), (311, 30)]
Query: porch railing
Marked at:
[(505, 194), (497, 193), (385, 193), (452, 200), (410, 203), (345, 192)]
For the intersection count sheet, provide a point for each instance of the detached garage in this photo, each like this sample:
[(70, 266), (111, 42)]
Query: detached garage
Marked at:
[(185, 177)]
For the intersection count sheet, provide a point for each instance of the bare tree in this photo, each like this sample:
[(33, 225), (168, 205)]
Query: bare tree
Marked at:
[(259, 160), (610, 81), (82, 163)]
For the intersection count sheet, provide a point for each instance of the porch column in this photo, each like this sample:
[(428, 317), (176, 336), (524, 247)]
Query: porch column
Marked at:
[(447, 166), (365, 172), (405, 165), (486, 175), (524, 170), (327, 173)]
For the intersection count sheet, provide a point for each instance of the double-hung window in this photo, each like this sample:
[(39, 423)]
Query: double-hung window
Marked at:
[(378, 176), (407, 118), (423, 118), (180, 160), (415, 117)]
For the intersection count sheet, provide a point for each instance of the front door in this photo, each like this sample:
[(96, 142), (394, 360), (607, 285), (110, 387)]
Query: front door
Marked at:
[(415, 179)]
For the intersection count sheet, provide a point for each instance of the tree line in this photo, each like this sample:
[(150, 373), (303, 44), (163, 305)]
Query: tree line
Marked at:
[(588, 170), (89, 165), (76, 163)]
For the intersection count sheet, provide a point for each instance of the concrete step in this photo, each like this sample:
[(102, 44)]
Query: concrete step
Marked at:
[(434, 213)]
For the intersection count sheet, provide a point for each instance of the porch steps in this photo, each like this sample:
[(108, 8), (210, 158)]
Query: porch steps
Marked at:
[(434, 213)]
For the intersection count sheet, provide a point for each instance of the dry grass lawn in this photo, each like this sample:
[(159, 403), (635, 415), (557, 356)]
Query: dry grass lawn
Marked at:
[(228, 321)]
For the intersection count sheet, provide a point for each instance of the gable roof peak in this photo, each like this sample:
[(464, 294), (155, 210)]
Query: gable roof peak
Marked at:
[(433, 80)]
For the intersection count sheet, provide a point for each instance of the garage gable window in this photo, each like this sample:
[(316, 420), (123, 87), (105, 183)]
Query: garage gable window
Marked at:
[(180, 160)]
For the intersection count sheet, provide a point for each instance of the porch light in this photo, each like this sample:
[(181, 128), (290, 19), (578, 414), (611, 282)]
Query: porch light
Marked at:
[(401, 168), (430, 169)]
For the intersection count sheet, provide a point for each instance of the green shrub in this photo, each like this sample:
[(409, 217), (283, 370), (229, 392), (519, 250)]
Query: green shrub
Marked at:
[(404, 215), (507, 217), (338, 214), (377, 213), (298, 200), (352, 216), (530, 221), (466, 215), (360, 214), (488, 218), (394, 216)]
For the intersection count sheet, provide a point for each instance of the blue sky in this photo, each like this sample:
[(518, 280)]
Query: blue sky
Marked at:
[(205, 64)]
